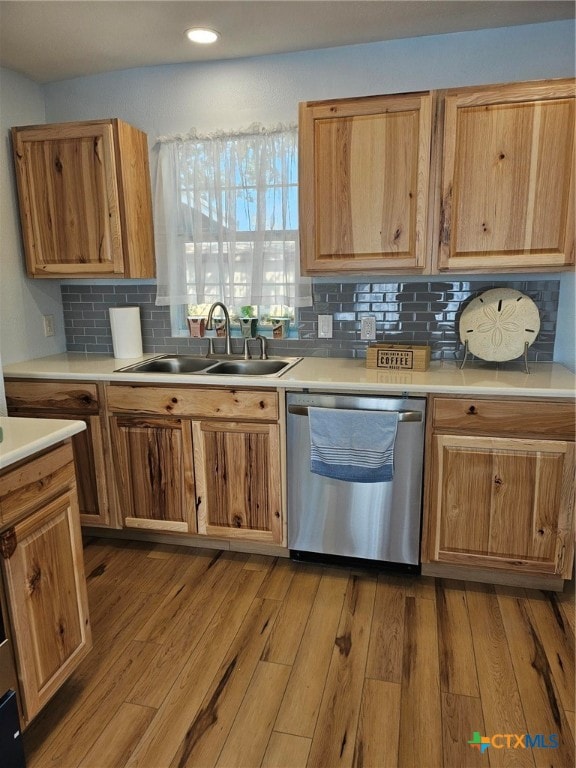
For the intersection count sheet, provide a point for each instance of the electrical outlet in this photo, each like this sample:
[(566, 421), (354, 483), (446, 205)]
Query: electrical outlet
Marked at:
[(368, 328), (48, 325), (324, 326)]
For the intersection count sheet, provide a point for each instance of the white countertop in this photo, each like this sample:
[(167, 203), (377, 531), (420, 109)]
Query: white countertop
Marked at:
[(327, 374), (22, 438)]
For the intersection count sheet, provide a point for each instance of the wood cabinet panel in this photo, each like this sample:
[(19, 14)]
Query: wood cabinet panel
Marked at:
[(85, 202), (135, 201), (153, 461), (513, 417), (194, 401), (58, 400), (78, 398), (364, 183), (238, 480), (503, 503), (508, 177), (43, 575), (69, 199)]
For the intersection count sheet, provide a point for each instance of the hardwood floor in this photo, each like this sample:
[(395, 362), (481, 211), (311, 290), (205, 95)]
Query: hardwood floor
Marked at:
[(206, 658)]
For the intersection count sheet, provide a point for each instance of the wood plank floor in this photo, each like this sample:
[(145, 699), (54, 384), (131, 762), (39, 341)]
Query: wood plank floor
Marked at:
[(205, 658)]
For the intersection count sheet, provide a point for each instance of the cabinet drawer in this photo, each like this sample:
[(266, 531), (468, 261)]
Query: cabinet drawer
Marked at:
[(31, 483), (197, 403), (510, 417), (77, 398)]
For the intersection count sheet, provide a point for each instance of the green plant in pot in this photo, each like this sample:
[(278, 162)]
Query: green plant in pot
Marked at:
[(248, 321)]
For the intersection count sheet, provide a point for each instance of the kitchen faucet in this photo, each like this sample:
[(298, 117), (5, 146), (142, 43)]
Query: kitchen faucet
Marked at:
[(263, 354), (226, 325)]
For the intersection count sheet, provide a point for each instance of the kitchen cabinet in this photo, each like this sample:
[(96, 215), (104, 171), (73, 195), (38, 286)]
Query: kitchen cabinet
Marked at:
[(84, 198), (238, 480), (76, 401), (500, 488), (507, 200), (364, 172), (476, 179), (43, 573), (154, 472), (198, 460)]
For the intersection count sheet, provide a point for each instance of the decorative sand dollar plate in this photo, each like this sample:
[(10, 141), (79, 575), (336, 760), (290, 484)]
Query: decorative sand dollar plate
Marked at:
[(498, 324)]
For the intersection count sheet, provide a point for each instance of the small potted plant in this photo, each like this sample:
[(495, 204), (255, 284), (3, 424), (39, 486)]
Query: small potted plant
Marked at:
[(248, 322)]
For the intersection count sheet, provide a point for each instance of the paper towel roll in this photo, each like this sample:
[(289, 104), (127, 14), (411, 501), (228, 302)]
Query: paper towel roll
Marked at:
[(126, 331)]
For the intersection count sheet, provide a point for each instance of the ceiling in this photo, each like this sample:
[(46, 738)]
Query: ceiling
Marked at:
[(49, 40)]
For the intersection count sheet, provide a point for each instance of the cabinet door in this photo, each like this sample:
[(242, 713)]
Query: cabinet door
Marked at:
[(238, 481), (502, 503), (364, 183), (508, 178), (153, 465), (46, 589), (69, 201)]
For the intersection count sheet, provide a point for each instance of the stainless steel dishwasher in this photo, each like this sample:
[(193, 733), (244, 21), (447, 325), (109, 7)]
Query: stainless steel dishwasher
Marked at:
[(330, 519)]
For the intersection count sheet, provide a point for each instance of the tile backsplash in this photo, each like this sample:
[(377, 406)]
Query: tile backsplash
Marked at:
[(416, 312)]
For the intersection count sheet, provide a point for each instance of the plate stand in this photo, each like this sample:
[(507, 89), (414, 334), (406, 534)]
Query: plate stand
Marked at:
[(525, 356)]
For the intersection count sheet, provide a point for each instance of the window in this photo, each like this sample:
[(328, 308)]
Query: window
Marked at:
[(226, 210)]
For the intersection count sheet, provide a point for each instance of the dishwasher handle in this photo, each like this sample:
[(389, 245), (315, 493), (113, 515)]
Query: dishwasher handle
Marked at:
[(302, 410)]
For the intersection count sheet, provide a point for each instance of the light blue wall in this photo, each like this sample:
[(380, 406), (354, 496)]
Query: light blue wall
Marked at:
[(231, 94), (219, 95), (22, 301)]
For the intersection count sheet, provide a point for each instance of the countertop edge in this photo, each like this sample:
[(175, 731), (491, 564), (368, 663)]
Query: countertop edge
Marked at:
[(24, 437), (319, 373)]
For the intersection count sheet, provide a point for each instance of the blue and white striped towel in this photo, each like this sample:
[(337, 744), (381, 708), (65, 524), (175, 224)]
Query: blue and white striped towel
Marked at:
[(355, 446)]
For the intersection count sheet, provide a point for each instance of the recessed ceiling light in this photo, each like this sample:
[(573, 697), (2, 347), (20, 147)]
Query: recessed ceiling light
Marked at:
[(201, 35)]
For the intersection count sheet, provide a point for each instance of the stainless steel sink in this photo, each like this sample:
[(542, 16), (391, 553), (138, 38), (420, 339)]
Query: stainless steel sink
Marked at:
[(203, 365), (170, 364), (250, 367)]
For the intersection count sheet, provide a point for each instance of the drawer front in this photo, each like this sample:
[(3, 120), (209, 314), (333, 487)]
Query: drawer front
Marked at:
[(32, 482), (509, 417), (196, 403), (78, 398)]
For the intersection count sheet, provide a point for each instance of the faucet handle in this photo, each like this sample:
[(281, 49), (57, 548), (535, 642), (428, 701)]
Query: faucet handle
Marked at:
[(246, 350), (263, 354)]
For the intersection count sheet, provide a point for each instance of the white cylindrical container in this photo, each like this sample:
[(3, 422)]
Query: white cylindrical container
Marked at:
[(126, 331)]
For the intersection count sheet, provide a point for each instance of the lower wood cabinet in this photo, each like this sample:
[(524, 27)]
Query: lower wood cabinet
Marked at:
[(43, 574), (78, 401), (198, 460), (154, 472), (500, 486), (238, 481)]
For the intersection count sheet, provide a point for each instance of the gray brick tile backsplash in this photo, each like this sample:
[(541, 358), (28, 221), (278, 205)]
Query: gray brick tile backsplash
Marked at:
[(424, 312)]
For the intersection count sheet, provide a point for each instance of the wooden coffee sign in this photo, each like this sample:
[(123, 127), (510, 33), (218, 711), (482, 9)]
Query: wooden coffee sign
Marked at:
[(398, 357)]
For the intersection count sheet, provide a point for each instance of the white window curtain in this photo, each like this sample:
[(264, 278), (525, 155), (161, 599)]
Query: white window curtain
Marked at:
[(226, 219)]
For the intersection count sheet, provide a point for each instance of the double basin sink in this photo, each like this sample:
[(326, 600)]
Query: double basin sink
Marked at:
[(187, 364)]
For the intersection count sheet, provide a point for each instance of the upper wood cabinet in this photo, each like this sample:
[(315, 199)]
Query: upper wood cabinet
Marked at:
[(364, 170), (85, 201), (508, 177), (476, 179)]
